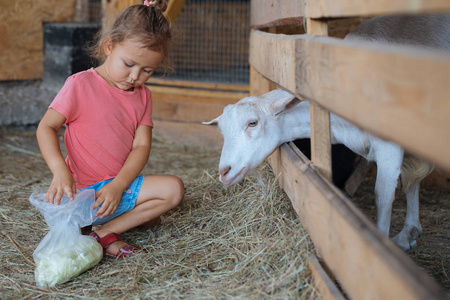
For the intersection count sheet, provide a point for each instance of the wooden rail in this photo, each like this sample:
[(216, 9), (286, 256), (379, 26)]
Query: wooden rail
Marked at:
[(198, 84), (397, 93), (267, 13), (367, 264)]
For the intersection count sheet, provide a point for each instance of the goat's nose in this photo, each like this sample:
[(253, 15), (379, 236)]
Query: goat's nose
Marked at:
[(224, 171)]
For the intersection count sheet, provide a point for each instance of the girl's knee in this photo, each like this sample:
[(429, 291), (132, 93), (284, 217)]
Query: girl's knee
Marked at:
[(177, 193), (168, 188)]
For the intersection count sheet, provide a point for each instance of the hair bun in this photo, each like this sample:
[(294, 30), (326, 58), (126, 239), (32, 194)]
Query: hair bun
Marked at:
[(159, 4)]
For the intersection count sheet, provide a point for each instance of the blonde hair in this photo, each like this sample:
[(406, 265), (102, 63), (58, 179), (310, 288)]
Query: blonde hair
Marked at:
[(146, 24)]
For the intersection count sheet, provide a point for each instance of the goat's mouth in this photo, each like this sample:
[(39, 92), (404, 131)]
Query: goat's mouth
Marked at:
[(235, 179)]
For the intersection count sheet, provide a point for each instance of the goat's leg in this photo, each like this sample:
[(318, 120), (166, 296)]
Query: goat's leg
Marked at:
[(389, 161), (412, 230), (385, 186)]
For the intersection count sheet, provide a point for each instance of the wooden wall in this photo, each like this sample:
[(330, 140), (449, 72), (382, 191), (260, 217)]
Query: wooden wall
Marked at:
[(180, 108), (22, 38), (358, 82)]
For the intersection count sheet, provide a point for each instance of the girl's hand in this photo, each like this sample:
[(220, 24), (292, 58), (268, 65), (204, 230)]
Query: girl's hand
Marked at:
[(61, 184), (47, 136), (109, 198), (110, 195)]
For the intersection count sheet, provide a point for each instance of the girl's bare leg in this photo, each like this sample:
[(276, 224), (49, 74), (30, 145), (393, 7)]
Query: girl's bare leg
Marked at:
[(158, 195)]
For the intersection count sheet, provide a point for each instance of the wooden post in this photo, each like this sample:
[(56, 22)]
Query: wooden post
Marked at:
[(173, 9), (320, 118), (258, 84), (321, 149), (81, 11)]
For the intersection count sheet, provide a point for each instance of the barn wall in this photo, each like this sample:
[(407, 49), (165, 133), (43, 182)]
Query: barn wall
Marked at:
[(21, 35)]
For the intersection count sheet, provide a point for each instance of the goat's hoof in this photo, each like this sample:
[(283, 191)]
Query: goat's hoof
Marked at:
[(407, 238), (404, 246), (415, 233), (412, 245)]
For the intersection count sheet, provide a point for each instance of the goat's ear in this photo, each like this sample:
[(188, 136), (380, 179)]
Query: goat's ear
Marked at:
[(280, 105), (212, 122)]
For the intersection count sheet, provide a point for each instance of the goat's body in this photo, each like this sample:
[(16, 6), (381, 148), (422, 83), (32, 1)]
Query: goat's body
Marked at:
[(429, 31), (342, 132), (390, 164)]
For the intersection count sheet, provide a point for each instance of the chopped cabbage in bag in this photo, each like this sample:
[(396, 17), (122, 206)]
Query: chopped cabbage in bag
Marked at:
[(62, 266), (64, 253)]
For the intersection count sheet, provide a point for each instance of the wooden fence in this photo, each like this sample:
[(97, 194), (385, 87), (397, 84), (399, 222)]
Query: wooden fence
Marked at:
[(355, 80)]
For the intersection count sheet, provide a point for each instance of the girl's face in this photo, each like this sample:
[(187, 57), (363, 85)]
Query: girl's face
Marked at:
[(128, 64)]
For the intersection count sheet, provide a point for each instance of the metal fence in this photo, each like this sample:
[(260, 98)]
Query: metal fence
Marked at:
[(210, 42)]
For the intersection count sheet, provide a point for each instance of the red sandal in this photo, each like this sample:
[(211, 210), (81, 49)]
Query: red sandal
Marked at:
[(110, 238)]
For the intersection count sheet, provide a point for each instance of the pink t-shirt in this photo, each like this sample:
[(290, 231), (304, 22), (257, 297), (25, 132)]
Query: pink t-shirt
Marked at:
[(101, 121)]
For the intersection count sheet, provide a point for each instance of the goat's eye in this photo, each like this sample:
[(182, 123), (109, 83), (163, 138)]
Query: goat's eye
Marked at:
[(252, 123)]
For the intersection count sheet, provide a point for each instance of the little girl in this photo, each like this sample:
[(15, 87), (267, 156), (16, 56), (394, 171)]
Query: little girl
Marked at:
[(107, 113)]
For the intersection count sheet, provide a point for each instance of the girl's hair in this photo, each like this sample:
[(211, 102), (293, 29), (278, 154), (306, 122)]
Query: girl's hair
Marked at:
[(146, 24)]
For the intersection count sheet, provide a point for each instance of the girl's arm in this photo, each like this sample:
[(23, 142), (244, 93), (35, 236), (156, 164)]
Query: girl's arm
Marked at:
[(111, 193), (47, 137)]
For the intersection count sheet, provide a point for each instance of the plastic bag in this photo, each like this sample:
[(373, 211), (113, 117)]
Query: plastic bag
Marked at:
[(64, 253)]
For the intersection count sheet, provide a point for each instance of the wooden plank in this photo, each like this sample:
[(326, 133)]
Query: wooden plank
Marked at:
[(367, 264), (186, 133), (204, 95), (320, 140), (198, 85), (397, 93), (194, 109), (173, 9), (345, 8), (316, 27), (354, 181), (323, 282), (320, 118), (267, 13)]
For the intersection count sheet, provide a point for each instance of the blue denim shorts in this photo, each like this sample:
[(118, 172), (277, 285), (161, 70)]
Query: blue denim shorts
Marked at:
[(127, 202)]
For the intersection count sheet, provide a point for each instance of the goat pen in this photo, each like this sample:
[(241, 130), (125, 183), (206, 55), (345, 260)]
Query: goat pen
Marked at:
[(365, 264)]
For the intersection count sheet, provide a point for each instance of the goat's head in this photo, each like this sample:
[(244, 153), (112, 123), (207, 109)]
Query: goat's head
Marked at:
[(251, 131)]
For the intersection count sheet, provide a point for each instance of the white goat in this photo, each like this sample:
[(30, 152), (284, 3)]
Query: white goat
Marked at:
[(255, 126)]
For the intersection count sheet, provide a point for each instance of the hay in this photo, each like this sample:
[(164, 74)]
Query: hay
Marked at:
[(243, 242)]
